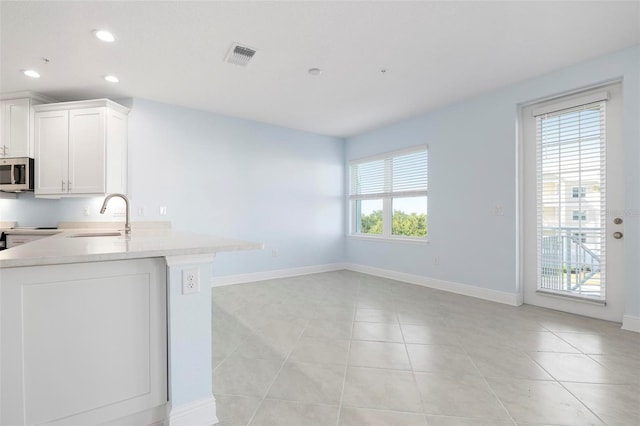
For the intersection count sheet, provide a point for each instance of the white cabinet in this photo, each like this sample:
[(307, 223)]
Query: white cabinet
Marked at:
[(15, 128), (16, 122), (83, 344), (80, 148)]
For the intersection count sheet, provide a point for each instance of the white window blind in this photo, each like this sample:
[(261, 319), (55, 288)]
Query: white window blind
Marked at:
[(571, 204), (368, 180), (400, 175)]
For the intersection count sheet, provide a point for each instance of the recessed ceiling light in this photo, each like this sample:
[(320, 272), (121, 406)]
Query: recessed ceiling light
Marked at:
[(31, 73), (105, 36), (111, 78), (315, 71)]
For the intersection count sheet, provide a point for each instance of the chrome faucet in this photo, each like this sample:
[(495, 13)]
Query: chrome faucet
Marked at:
[(127, 224)]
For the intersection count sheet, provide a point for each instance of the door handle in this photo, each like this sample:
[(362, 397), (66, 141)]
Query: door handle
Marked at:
[(617, 235)]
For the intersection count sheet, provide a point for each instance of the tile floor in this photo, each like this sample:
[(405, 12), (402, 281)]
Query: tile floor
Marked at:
[(343, 348)]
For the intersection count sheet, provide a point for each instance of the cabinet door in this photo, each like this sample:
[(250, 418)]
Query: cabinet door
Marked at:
[(15, 128), (82, 344), (87, 135), (52, 152)]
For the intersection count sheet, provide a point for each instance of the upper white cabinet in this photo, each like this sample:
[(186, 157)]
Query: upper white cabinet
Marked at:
[(80, 148), (16, 123)]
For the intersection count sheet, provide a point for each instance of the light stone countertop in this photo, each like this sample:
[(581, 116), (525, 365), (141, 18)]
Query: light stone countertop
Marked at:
[(141, 243)]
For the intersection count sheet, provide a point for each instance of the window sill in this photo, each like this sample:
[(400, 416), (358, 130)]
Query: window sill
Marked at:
[(381, 239)]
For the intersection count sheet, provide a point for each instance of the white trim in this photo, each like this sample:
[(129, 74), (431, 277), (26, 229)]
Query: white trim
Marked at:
[(631, 323), (92, 103), (189, 259), (450, 286), (571, 103), (512, 299), (152, 416), (394, 239), (376, 196), (519, 276), (384, 155), (275, 274), (574, 298), (27, 94), (201, 412)]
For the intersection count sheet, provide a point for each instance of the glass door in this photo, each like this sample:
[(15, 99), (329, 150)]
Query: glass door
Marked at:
[(573, 177)]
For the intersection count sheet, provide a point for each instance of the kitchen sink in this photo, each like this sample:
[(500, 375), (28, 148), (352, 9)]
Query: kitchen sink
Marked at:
[(95, 234)]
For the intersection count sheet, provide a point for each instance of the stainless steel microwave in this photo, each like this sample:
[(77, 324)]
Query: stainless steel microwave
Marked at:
[(16, 174)]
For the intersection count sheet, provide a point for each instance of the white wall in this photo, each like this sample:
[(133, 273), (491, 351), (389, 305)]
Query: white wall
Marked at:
[(472, 168), (224, 176)]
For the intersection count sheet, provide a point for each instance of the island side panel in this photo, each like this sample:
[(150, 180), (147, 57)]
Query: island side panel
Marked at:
[(191, 400), (82, 343)]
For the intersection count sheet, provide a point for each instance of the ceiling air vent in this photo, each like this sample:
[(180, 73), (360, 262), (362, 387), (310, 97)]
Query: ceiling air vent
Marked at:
[(240, 55)]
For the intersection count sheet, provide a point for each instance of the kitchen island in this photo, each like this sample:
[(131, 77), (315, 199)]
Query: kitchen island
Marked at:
[(99, 328)]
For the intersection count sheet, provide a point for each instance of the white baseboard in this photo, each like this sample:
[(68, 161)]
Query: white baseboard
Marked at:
[(520, 298), (152, 416), (275, 274), (631, 323), (513, 299), (196, 413), (450, 286)]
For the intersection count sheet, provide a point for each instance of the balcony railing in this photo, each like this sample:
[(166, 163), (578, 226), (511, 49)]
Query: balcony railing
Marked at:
[(571, 260)]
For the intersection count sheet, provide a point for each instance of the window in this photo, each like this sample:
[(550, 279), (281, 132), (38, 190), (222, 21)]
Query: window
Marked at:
[(579, 237), (579, 192), (579, 215), (388, 195)]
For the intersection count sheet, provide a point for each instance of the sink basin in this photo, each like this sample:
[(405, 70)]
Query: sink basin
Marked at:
[(95, 234)]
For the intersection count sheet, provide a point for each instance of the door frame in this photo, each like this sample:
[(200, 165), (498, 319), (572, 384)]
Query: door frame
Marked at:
[(520, 179)]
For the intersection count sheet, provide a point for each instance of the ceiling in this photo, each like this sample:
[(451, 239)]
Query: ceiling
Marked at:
[(434, 53)]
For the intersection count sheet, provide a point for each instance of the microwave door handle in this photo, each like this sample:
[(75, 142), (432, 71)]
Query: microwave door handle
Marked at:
[(13, 174)]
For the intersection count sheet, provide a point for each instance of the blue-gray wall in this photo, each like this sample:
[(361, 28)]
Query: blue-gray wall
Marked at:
[(472, 169), (286, 188), (224, 176), (240, 179)]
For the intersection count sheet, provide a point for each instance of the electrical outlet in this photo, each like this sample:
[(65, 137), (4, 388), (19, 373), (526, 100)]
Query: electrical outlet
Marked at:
[(86, 210), (163, 210), (141, 211), (190, 281), (274, 253)]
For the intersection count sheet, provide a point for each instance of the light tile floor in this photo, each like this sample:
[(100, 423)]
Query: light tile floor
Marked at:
[(343, 348)]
